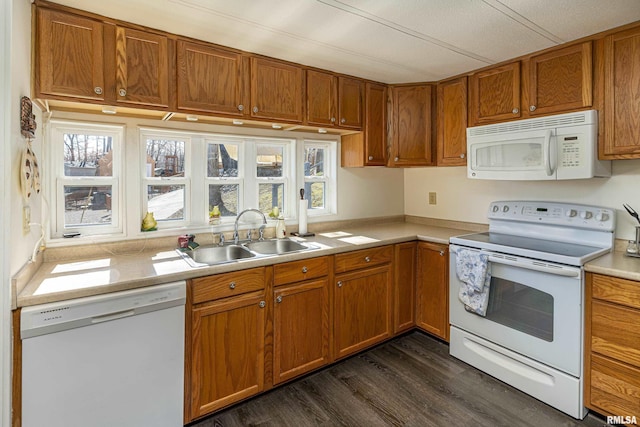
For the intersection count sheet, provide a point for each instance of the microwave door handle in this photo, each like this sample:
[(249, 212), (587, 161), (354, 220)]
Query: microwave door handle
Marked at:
[(541, 268), (547, 143)]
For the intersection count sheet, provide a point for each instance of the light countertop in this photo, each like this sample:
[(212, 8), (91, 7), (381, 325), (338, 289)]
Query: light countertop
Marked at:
[(615, 264)]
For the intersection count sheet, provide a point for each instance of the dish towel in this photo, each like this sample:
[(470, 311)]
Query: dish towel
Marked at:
[(472, 268)]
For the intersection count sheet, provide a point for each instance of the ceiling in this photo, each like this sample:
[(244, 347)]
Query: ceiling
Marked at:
[(390, 41)]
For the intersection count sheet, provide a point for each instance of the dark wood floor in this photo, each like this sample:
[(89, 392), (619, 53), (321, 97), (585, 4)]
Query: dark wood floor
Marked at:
[(409, 381)]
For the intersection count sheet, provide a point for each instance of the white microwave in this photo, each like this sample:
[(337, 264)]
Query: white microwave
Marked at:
[(564, 146)]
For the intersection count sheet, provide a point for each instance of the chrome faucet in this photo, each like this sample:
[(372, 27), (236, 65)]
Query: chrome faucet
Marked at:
[(235, 227)]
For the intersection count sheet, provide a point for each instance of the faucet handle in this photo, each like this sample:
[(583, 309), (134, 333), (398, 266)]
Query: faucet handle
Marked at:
[(261, 232), (236, 237), (249, 234), (221, 239)]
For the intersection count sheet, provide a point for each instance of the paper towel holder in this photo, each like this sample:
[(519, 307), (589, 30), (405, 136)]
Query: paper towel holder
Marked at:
[(306, 234)]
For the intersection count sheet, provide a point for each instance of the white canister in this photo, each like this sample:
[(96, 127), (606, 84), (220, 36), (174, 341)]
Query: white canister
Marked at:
[(281, 230)]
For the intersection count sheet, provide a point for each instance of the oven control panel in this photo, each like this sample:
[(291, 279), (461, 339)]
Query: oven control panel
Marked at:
[(569, 214)]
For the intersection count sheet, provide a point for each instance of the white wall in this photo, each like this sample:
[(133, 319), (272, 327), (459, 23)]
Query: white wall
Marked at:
[(462, 199)]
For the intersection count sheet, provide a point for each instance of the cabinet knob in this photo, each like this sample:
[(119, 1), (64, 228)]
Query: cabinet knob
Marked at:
[(333, 119), (122, 92), (532, 108), (367, 259), (240, 107), (462, 156), (304, 269), (441, 253), (262, 304), (97, 90), (395, 159), (255, 109), (515, 110), (279, 299), (340, 284), (343, 120), (370, 157), (232, 285)]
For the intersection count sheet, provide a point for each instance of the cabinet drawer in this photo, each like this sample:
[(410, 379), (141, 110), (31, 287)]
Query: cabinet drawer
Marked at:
[(614, 332), (615, 387), (298, 271), (619, 291), (365, 258), (227, 284)]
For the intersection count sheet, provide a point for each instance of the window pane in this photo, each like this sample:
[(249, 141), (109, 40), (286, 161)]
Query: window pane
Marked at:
[(271, 195), (316, 189), (269, 161), (88, 155), (166, 201), (225, 197), (165, 158), (314, 161), (222, 160), (87, 205)]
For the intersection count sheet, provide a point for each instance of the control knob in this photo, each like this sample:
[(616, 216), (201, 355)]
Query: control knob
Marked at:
[(602, 216), (505, 208), (571, 213), (585, 214), (495, 208)]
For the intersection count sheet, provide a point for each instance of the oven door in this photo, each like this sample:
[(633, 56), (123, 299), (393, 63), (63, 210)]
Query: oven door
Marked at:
[(535, 309)]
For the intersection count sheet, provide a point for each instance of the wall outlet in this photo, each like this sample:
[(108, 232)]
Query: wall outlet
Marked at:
[(432, 198), (26, 219)]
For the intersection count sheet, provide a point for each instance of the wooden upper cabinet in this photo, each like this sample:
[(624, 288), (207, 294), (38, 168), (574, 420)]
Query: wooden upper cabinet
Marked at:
[(412, 126), (322, 95), (452, 122), (277, 90), (210, 79), (621, 133), (350, 95), (69, 54), (561, 80), (494, 94), (142, 68)]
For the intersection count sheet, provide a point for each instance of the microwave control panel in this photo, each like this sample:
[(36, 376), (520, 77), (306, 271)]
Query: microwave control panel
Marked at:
[(570, 152)]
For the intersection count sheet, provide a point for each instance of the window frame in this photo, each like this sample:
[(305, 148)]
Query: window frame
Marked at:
[(329, 178), (239, 180)]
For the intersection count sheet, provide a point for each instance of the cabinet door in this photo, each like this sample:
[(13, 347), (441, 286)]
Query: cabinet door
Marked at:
[(622, 95), (362, 309), (69, 56), (561, 80), (452, 122), (432, 308), (494, 94), (375, 146), (350, 95), (277, 90), (142, 68), (227, 352), (412, 117), (300, 329), (210, 79), (322, 94), (404, 286)]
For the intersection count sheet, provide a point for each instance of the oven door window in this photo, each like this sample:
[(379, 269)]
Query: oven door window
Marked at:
[(521, 307)]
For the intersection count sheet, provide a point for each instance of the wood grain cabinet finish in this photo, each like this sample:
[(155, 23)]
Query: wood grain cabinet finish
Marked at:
[(300, 328), (226, 285), (452, 122), (432, 289), (142, 68), (369, 147), (350, 102), (69, 57), (298, 271), (494, 94), (322, 98), (560, 80), (210, 79), (277, 90), (404, 286), (412, 140), (362, 259), (621, 133), (612, 345), (227, 352)]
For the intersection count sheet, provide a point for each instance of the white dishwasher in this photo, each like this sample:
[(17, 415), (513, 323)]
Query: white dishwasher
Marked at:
[(109, 360)]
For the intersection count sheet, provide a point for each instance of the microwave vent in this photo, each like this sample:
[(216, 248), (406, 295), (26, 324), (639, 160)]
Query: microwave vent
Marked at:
[(534, 124)]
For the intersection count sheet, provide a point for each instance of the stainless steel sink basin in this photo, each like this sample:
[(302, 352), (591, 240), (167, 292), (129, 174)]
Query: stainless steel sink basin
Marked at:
[(276, 247), (211, 255)]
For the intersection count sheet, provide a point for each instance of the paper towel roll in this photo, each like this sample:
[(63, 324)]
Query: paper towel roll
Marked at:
[(302, 217)]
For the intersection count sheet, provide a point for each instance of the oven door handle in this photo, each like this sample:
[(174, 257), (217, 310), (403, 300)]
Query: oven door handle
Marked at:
[(541, 268)]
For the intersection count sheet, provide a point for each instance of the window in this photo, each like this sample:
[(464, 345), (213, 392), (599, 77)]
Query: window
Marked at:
[(85, 177), (223, 179), (319, 181)]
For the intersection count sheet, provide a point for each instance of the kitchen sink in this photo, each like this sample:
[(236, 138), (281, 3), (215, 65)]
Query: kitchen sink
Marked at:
[(212, 255), (276, 247)]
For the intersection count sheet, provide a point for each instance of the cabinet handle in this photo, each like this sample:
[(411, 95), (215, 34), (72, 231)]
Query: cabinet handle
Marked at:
[(255, 109), (333, 119), (441, 253), (343, 120), (97, 90), (240, 107), (370, 157), (122, 92), (279, 299), (340, 284), (232, 285), (515, 110), (462, 156), (367, 259), (532, 108), (304, 269), (262, 304)]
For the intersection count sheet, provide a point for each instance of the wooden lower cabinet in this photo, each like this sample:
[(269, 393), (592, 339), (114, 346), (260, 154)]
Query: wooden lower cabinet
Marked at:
[(404, 286), (432, 289), (300, 329)]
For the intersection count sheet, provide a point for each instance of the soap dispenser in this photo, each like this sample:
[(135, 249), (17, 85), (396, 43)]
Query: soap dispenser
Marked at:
[(281, 230)]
